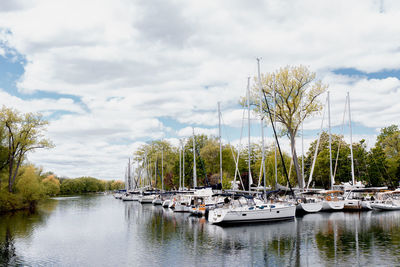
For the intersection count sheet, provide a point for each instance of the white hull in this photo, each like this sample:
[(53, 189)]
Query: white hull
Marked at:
[(245, 214), (146, 199), (127, 198), (384, 206), (366, 205), (310, 207), (332, 205), (166, 202), (181, 208), (118, 196), (157, 201)]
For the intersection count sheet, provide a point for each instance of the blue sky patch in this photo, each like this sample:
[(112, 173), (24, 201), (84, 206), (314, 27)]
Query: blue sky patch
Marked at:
[(372, 75)]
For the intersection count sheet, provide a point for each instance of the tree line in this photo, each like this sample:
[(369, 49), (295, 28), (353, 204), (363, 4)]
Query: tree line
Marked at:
[(22, 184), (377, 166)]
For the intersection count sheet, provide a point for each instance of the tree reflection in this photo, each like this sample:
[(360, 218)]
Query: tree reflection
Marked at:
[(20, 224)]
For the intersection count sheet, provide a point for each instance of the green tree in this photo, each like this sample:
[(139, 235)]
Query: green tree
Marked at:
[(23, 133), (342, 172), (28, 185), (296, 93), (51, 185)]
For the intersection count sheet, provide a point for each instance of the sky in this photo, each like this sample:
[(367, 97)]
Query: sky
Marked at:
[(110, 75)]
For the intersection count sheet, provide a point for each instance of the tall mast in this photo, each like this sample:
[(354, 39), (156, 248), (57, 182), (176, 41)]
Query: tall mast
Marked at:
[(262, 128), (220, 142), (194, 162), (248, 118), (180, 167), (183, 163), (275, 148), (330, 142), (162, 169), (302, 144), (351, 142), (129, 174)]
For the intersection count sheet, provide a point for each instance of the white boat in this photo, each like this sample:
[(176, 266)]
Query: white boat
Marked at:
[(157, 201), (388, 201), (146, 199), (248, 213), (332, 205), (387, 205), (355, 201), (309, 207), (127, 197), (308, 202), (333, 200), (182, 204), (166, 203), (118, 195)]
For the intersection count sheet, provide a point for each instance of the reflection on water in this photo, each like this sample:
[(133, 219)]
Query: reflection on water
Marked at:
[(102, 231), (20, 225)]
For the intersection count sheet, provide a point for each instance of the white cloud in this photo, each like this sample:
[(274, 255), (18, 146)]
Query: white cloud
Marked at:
[(132, 62)]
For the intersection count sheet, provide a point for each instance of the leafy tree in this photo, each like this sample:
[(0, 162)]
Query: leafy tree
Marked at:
[(389, 141), (23, 133), (51, 185), (29, 186), (321, 168), (296, 93), (377, 166)]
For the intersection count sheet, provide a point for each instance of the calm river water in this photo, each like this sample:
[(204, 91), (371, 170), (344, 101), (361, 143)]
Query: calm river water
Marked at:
[(103, 231)]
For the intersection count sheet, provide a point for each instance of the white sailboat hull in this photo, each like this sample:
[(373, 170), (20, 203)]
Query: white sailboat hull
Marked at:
[(246, 215), (385, 206), (146, 199), (166, 203), (181, 208), (157, 201), (332, 205), (310, 207)]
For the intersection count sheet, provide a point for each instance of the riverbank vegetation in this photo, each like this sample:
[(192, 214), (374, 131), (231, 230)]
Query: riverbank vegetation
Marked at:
[(22, 185)]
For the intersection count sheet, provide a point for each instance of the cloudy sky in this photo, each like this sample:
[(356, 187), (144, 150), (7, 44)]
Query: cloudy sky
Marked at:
[(112, 74)]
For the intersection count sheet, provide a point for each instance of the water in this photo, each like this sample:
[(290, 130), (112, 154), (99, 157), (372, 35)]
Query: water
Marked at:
[(103, 231)]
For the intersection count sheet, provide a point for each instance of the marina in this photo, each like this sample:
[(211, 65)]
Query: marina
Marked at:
[(67, 232)]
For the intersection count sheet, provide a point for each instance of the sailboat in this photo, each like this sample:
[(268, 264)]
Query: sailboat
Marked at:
[(332, 201), (240, 209)]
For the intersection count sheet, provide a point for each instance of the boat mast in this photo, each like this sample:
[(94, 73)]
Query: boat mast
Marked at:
[(194, 162), (351, 142), (262, 128), (162, 169), (180, 166), (274, 123), (248, 119), (302, 144), (220, 142), (330, 142), (129, 174), (183, 163)]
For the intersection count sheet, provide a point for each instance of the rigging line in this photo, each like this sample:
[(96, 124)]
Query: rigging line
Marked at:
[(279, 147), (317, 146), (236, 159), (342, 134)]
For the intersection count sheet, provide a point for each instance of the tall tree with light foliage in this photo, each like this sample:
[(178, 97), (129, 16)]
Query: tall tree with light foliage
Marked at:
[(296, 98), (22, 133)]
